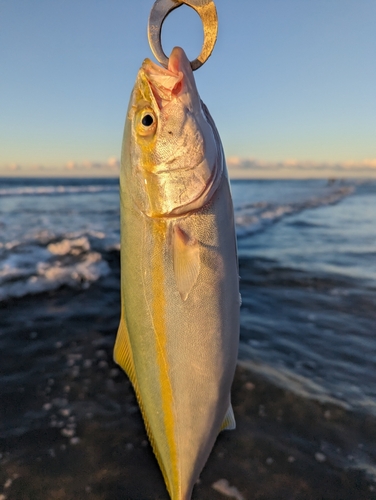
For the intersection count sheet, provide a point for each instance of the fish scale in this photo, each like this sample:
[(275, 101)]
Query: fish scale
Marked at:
[(179, 329)]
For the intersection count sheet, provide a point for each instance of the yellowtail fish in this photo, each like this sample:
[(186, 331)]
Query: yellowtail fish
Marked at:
[(179, 327)]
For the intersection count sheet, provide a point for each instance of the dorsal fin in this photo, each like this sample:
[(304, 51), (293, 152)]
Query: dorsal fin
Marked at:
[(186, 260)]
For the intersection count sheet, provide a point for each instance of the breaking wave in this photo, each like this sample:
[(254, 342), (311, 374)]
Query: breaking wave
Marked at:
[(255, 217), (56, 190), (70, 249), (41, 265)]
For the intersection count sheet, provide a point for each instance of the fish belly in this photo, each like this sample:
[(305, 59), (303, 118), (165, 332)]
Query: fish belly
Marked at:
[(180, 354)]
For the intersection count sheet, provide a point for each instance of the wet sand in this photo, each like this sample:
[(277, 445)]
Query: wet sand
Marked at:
[(70, 427)]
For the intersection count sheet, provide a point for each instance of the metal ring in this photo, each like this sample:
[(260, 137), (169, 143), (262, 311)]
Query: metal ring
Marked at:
[(205, 9)]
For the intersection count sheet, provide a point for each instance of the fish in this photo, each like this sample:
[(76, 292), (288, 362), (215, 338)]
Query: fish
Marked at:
[(179, 328)]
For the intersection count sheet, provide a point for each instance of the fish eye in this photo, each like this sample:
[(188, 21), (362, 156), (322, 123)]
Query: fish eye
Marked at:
[(147, 120)]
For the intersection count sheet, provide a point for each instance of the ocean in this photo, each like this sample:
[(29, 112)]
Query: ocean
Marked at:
[(307, 266)]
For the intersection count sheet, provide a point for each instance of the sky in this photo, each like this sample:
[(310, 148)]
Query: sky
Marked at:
[(291, 84)]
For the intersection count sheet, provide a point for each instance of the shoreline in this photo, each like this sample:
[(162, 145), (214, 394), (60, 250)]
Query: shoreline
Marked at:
[(71, 428)]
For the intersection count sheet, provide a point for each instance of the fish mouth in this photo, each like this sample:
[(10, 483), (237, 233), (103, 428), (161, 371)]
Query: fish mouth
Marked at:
[(168, 83)]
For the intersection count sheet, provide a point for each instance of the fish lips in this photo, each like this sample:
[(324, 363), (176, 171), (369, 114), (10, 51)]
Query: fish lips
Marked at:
[(173, 82)]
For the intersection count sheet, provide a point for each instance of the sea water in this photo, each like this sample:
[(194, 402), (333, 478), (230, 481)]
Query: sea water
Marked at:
[(307, 257)]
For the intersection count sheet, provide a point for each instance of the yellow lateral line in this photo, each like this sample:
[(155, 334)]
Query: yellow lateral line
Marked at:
[(159, 311)]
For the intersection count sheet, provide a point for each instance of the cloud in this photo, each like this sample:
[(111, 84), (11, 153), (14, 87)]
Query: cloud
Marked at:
[(113, 163), (251, 167), (14, 167), (71, 165), (110, 167), (238, 168), (85, 168), (234, 161)]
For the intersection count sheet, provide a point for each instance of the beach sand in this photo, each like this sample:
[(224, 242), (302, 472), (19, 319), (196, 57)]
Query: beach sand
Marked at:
[(70, 427)]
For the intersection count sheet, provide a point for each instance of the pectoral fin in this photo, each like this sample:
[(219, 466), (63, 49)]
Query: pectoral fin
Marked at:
[(229, 423), (186, 260)]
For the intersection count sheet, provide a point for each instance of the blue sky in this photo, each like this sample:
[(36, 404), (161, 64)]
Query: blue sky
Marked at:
[(291, 83)]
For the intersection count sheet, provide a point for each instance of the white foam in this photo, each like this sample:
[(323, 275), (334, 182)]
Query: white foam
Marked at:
[(90, 269), (51, 277), (97, 234), (51, 190), (75, 246), (33, 268), (9, 272), (256, 217)]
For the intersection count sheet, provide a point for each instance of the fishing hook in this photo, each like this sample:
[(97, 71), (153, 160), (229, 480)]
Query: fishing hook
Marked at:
[(208, 14)]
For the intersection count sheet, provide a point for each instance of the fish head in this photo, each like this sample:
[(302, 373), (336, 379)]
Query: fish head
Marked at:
[(171, 144)]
